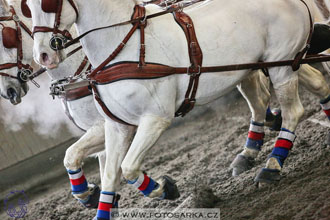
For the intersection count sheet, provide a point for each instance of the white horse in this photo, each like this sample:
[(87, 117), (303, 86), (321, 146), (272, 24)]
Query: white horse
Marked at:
[(82, 111), (150, 104), (309, 77), (85, 118)]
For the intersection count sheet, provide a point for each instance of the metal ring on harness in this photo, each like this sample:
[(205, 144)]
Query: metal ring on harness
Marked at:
[(57, 42), (194, 74), (23, 75)]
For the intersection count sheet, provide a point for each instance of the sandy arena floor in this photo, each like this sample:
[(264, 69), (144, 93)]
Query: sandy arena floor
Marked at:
[(197, 152)]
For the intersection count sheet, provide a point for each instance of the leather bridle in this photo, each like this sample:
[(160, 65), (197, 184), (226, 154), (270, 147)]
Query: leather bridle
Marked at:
[(59, 37), (25, 71)]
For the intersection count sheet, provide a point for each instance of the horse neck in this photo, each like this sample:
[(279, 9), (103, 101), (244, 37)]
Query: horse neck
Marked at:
[(98, 13)]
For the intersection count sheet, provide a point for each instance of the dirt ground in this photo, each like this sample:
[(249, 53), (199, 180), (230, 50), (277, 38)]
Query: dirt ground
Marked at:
[(197, 151)]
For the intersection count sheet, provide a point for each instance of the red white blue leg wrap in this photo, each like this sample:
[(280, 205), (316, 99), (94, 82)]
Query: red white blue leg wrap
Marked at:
[(78, 181), (325, 104), (106, 203), (256, 136), (145, 184), (283, 145)]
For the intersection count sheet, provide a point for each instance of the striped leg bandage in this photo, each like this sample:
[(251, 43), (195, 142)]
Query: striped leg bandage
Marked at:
[(325, 104), (145, 184), (256, 136), (283, 145), (78, 181), (108, 201)]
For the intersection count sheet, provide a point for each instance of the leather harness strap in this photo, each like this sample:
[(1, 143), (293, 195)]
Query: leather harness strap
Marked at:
[(139, 12), (99, 75), (299, 56), (196, 60), (78, 93)]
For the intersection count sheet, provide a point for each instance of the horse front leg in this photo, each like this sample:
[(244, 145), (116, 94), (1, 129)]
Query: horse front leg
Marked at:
[(148, 132), (292, 111), (255, 89), (102, 158), (117, 141), (85, 193)]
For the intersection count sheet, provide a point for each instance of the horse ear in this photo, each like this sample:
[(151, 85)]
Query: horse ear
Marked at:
[(49, 6), (9, 37), (25, 9)]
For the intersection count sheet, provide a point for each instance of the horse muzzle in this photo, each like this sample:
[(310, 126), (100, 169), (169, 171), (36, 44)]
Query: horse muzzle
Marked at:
[(13, 96)]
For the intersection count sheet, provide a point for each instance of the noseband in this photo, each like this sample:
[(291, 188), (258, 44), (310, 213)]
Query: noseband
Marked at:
[(59, 38), (12, 38)]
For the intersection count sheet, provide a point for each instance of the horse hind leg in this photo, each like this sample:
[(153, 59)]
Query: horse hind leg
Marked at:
[(255, 89), (314, 81), (286, 88)]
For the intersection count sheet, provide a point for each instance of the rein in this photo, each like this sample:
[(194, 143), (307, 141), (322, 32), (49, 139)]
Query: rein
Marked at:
[(133, 21)]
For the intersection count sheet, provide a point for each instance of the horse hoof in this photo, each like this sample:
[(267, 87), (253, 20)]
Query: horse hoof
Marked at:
[(117, 198), (241, 164), (268, 176), (327, 141), (276, 118), (171, 191), (93, 199)]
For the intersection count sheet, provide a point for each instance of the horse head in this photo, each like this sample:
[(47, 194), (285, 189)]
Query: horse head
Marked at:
[(51, 22), (15, 57)]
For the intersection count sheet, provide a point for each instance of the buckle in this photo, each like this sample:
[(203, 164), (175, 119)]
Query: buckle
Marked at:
[(194, 74), (16, 18)]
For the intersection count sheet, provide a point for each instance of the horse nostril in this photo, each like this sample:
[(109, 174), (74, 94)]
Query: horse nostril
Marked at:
[(11, 93), (44, 57)]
